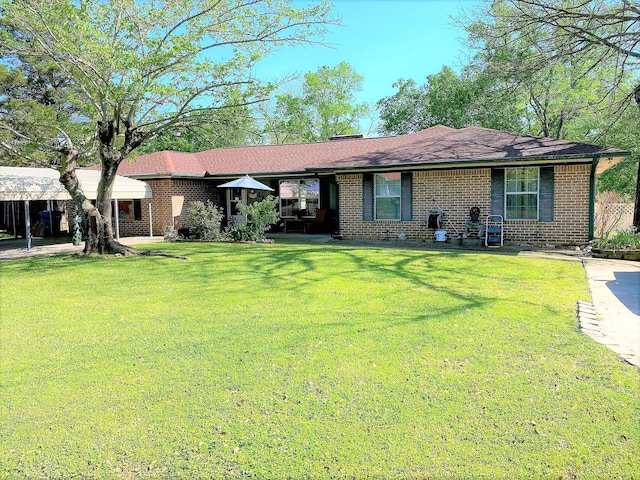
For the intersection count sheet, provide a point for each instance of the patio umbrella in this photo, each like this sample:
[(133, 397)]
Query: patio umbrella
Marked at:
[(246, 182)]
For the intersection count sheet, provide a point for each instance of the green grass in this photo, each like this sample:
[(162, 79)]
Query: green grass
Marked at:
[(292, 361)]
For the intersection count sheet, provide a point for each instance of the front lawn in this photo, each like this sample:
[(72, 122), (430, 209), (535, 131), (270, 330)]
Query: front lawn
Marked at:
[(293, 361)]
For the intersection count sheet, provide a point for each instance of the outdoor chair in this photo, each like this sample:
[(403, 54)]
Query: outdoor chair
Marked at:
[(318, 224)]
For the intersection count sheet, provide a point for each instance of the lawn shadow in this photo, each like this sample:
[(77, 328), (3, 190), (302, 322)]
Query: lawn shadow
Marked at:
[(434, 271), (425, 269)]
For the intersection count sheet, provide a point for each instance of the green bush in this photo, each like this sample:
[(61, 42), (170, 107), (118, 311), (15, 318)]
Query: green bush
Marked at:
[(240, 233), (260, 216), (205, 220)]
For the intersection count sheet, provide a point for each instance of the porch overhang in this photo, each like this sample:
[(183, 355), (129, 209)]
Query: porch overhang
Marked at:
[(24, 184)]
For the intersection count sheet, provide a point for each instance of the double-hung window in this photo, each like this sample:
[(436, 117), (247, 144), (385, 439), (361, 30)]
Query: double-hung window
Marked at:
[(388, 189), (521, 193), (387, 196)]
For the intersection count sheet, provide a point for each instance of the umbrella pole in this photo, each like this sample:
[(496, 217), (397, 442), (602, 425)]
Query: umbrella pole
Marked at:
[(27, 223)]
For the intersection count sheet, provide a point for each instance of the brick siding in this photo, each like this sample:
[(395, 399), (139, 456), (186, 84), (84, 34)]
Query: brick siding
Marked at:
[(456, 191), (161, 207)]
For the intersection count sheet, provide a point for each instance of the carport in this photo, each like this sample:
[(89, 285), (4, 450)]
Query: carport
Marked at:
[(19, 184)]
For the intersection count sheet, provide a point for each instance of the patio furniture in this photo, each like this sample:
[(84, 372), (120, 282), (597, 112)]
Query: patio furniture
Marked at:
[(318, 224), (295, 226), (474, 223)]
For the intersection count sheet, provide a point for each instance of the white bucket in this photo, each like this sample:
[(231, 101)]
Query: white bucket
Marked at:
[(441, 235)]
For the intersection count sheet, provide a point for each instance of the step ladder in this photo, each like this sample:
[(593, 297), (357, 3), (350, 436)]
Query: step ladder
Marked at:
[(494, 231)]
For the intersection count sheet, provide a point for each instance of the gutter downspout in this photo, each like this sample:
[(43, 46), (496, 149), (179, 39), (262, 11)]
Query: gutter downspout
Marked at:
[(592, 196)]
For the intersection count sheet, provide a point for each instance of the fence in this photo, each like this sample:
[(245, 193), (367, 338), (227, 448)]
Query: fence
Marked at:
[(622, 211)]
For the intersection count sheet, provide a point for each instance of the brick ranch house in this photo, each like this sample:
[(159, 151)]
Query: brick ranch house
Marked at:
[(383, 187)]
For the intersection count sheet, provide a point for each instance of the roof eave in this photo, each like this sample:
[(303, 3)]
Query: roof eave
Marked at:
[(292, 173), (162, 175), (605, 162)]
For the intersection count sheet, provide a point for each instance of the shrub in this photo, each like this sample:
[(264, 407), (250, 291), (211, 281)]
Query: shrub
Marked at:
[(170, 235), (623, 240), (240, 233), (260, 216), (205, 220)]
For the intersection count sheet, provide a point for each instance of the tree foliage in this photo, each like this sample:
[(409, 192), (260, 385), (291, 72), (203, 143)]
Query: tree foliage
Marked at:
[(589, 49), (130, 70), (458, 101), (405, 111), (326, 106)]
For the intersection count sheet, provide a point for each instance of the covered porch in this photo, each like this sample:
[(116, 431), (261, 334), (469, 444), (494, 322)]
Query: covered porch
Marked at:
[(307, 204)]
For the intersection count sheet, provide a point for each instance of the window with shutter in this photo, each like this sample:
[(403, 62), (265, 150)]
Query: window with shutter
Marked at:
[(388, 192), (387, 196), (524, 193), (521, 193)]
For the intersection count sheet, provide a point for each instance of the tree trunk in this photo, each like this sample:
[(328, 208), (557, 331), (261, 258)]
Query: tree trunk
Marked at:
[(69, 179), (103, 242), (98, 230), (636, 210)]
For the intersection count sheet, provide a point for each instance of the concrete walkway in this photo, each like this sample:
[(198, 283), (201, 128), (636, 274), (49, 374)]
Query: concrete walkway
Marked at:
[(44, 247), (614, 316)]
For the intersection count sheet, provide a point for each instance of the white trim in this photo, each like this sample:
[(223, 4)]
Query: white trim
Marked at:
[(376, 196), (528, 192)]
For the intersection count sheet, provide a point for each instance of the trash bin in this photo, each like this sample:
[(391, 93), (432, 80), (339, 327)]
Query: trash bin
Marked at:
[(441, 235), (45, 220)]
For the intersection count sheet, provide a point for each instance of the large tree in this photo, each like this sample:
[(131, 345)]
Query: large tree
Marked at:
[(576, 37), (471, 98), (324, 106), (131, 70)]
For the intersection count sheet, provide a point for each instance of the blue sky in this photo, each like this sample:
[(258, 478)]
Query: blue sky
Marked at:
[(383, 40)]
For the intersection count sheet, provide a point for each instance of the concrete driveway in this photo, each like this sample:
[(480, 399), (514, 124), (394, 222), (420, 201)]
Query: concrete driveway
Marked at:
[(615, 290), (43, 247)]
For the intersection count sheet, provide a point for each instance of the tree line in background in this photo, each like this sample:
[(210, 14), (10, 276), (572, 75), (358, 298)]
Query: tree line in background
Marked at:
[(308, 108), (96, 82), (539, 67), (92, 82), (565, 70)]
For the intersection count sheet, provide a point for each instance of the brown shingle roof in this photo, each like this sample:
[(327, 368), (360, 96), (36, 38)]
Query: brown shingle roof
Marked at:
[(434, 145), (267, 158), (474, 144)]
